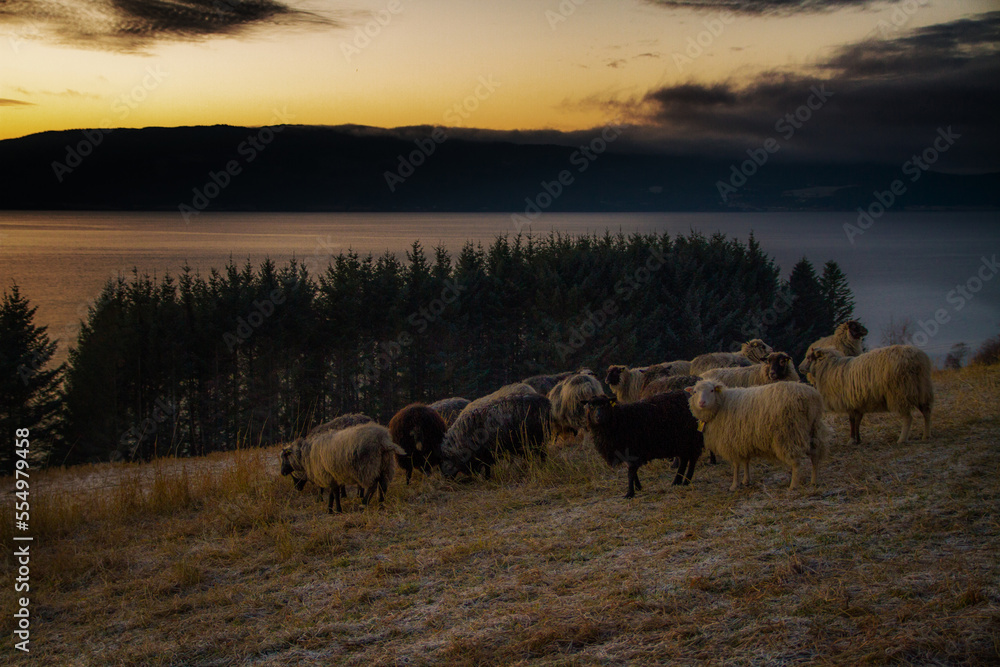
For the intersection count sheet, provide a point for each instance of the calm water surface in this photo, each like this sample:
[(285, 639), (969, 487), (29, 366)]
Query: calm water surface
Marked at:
[(906, 265)]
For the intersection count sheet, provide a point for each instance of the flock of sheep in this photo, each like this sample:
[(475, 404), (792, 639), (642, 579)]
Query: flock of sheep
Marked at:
[(740, 406)]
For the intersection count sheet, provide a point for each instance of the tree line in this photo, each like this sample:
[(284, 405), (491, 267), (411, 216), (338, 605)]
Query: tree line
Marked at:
[(248, 354)]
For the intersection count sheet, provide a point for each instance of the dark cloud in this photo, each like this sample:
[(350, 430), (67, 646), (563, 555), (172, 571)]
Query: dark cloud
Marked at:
[(877, 100), (14, 103), (779, 7), (133, 25)]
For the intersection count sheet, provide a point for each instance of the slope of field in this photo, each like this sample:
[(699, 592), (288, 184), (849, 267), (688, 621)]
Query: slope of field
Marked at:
[(892, 559)]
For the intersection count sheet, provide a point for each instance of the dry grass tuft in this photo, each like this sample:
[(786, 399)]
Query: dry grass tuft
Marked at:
[(893, 558)]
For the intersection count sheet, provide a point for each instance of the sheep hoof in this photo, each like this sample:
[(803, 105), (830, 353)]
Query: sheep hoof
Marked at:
[(628, 496)]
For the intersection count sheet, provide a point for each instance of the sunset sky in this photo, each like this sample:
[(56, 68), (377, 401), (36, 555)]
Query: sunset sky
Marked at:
[(896, 69)]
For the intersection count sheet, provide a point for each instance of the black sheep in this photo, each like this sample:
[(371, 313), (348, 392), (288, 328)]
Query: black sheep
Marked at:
[(659, 427), (419, 430)]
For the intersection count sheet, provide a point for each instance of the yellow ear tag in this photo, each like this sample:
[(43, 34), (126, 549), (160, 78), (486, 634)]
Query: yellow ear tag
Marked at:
[(701, 426)]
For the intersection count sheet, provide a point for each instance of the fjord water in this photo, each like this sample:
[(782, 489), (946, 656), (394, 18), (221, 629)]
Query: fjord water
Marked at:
[(904, 265)]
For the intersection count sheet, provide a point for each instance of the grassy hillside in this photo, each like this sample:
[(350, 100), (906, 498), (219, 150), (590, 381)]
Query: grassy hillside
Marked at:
[(893, 558)]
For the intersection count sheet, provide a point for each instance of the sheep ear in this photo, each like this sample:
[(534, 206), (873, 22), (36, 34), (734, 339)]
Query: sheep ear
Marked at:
[(689, 390), (717, 389)]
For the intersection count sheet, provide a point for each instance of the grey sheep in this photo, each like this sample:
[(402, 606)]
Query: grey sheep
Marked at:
[(567, 399), (777, 367), (781, 422), (449, 408), (513, 424), (362, 455), (513, 389), (887, 379)]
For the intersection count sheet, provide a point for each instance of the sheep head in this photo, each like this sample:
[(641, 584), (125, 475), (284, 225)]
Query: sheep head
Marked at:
[(816, 357), (856, 330), (777, 363), (756, 350), (291, 459), (599, 410), (614, 376), (706, 397)]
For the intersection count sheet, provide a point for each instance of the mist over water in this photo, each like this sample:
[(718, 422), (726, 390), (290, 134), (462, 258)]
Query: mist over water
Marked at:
[(906, 265)]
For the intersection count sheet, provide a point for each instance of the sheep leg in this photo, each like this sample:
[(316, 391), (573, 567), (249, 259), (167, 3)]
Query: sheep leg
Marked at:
[(684, 471), (855, 419), (334, 497), (925, 410), (711, 457), (814, 457), (746, 472), (689, 476), (795, 476), (409, 472), (383, 485), (633, 480), (369, 493), (736, 476), (904, 434)]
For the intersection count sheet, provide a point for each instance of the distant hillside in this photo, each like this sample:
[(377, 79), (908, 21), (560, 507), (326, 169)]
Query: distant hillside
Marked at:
[(307, 168)]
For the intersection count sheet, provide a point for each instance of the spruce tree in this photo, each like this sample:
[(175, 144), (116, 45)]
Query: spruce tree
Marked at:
[(28, 390), (810, 315), (837, 293)]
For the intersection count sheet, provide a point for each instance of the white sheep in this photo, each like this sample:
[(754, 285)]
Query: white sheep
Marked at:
[(751, 352), (887, 379), (848, 338), (781, 422), (362, 455), (777, 367)]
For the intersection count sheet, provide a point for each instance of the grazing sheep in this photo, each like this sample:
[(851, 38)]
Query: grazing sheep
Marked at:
[(887, 379), (543, 384), (781, 422), (659, 427), (514, 389), (338, 423), (514, 424), (449, 408), (567, 399), (361, 455), (848, 338), (667, 384), (419, 430), (628, 383), (778, 367)]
